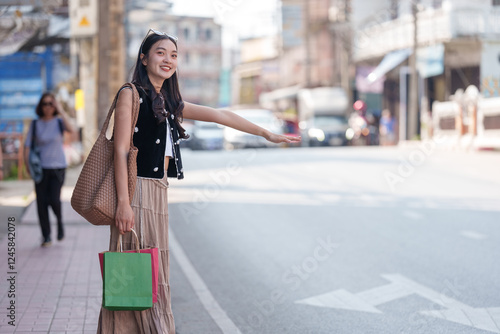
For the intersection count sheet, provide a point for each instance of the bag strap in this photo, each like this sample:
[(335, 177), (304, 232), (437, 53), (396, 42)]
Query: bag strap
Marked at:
[(135, 111), (33, 132), (119, 241)]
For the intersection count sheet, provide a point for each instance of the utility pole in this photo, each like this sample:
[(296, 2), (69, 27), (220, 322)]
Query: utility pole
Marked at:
[(112, 54), (307, 38), (413, 94), (346, 48), (103, 61)]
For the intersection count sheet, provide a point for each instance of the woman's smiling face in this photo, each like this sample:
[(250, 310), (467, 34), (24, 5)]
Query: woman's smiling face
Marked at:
[(161, 61)]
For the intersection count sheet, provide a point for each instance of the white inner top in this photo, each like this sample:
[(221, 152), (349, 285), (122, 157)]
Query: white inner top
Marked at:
[(168, 145)]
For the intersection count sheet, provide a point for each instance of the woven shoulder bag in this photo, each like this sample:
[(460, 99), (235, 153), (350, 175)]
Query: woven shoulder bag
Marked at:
[(94, 196)]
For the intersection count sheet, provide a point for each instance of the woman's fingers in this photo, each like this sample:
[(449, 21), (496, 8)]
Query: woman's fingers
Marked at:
[(293, 139), (121, 227), (284, 139), (125, 226), (130, 226)]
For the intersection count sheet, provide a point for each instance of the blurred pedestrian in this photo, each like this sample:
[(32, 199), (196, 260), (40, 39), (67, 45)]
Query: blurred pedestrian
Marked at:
[(359, 124), (387, 128), (157, 136), (48, 131), (373, 137), (1, 161)]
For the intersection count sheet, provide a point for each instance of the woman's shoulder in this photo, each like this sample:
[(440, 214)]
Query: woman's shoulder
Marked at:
[(126, 95), (125, 92), (143, 91), (129, 87), (126, 86)]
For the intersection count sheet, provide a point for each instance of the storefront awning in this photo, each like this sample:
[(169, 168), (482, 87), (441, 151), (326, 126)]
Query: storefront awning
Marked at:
[(390, 61), (278, 94), (30, 30)]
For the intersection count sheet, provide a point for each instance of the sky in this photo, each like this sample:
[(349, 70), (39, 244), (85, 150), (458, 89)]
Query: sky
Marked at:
[(238, 18)]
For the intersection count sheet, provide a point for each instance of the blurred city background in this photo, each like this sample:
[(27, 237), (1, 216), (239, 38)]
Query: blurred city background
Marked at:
[(390, 227), (337, 72)]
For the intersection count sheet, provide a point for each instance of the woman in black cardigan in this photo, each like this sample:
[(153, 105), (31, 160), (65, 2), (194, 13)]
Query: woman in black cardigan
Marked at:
[(157, 134)]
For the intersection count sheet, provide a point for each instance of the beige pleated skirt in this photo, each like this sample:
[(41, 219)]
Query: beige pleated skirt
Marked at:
[(150, 206)]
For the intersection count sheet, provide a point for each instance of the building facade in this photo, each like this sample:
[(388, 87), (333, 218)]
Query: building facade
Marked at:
[(311, 46), (457, 45), (199, 45), (257, 71), (313, 51)]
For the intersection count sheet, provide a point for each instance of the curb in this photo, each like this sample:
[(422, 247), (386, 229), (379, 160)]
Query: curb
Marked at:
[(21, 201)]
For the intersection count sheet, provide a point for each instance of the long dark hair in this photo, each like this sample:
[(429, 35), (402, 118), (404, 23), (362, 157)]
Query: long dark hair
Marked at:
[(39, 110), (170, 87)]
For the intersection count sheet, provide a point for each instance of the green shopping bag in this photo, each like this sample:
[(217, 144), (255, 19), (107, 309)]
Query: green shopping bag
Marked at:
[(127, 281)]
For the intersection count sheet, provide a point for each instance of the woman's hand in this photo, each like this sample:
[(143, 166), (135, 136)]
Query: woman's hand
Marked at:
[(124, 218), (275, 138), (59, 107), (68, 125)]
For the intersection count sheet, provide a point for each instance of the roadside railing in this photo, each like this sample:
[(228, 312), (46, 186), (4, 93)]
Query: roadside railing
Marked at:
[(468, 120), (11, 140), (445, 121), (488, 123)]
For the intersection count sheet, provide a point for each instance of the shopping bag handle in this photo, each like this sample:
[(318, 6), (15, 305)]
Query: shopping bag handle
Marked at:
[(119, 242)]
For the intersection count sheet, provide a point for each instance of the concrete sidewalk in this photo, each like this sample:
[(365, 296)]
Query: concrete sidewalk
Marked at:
[(48, 290)]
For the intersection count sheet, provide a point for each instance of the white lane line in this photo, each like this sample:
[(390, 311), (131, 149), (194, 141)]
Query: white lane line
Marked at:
[(473, 235), (207, 299)]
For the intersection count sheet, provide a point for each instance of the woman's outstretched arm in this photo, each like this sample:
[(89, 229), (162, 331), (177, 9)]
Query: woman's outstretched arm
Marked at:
[(228, 118)]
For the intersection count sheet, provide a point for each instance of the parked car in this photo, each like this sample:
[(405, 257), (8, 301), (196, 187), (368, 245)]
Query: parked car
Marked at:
[(188, 126), (262, 117), (326, 130), (323, 116), (206, 136)]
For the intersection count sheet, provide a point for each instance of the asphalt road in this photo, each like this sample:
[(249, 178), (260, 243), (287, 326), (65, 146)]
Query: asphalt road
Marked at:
[(336, 240)]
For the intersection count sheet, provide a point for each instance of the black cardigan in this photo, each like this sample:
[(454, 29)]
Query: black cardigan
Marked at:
[(150, 139)]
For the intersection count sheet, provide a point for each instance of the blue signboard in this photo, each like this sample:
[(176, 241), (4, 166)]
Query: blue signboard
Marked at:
[(23, 78), (430, 60)]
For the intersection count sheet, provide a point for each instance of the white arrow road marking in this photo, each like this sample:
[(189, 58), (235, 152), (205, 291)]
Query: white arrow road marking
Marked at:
[(413, 215), (483, 318), (473, 235), (363, 301), (340, 299), (425, 292)]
